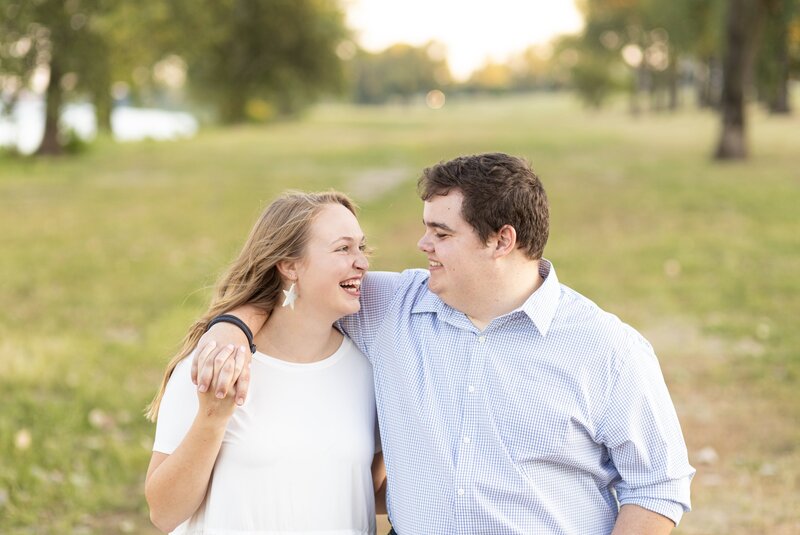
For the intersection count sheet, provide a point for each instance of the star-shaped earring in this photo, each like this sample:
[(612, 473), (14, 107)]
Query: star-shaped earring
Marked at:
[(291, 297)]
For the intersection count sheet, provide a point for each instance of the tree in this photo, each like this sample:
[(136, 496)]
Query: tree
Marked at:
[(18, 56), (663, 44), (491, 77), (773, 67), (536, 68), (281, 51), (60, 40), (742, 25), (401, 71)]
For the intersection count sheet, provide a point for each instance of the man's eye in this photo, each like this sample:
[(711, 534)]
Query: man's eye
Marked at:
[(362, 248), (440, 236), (343, 248)]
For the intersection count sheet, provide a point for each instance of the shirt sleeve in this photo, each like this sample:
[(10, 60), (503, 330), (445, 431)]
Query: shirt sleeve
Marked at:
[(643, 435), (377, 291), (178, 408)]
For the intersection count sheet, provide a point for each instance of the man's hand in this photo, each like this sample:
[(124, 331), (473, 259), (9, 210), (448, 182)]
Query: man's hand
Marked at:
[(226, 364), (217, 409)]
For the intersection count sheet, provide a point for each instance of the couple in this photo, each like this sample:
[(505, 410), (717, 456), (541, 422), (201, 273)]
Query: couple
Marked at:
[(507, 402)]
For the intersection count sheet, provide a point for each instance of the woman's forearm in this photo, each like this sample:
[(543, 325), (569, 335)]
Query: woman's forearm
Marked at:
[(175, 486)]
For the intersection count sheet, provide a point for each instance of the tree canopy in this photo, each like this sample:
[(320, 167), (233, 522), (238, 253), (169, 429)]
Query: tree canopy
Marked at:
[(399, 72), (230, 52), (712, 44)]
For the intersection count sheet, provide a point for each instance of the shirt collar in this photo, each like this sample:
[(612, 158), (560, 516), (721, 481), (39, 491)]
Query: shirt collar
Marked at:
[(430, 302), (540, 307), (542, 304)]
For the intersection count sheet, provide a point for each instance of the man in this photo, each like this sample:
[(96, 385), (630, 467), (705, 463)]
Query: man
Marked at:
[(507, 402)]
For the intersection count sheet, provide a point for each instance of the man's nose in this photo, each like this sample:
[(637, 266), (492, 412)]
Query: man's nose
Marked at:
[(424, 244)]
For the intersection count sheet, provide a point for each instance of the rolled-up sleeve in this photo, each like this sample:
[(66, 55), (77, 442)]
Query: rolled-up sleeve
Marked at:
[(643, 435)]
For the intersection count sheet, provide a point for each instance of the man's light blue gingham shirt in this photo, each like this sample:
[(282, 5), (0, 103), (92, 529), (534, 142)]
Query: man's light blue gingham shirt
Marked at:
[(541, 423)]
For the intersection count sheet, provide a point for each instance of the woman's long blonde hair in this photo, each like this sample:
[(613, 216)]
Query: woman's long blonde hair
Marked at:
[(280, 234)]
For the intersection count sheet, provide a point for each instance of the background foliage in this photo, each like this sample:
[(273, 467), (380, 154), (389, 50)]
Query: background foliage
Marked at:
[(261, 60)]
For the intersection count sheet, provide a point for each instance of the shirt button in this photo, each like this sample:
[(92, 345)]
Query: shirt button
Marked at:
[(466, 440), (481, 339), (460, 492), (470, 389)]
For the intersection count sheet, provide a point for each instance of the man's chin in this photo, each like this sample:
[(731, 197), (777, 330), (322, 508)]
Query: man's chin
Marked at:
[(434, 288)]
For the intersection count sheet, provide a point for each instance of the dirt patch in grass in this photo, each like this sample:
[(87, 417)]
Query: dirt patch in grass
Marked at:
[(373, 183), (743, 438)]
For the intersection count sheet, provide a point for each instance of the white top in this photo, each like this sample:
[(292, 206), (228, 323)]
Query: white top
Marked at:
[(296, 457)]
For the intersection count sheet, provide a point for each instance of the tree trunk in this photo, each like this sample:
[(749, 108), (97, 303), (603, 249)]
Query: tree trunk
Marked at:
[(234, 93), (779, 99), (103, 103), (640, 85), (102, 110), (780, 105), (53, 97), (633, 102), (708, 83), (739, 37), (654, 91), (702, 75), (673, 81)]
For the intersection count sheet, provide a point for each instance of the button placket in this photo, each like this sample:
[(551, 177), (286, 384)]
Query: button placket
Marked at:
[(471, 411)]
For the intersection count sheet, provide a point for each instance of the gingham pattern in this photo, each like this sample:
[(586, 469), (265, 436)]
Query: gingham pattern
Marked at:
[(541, 423)]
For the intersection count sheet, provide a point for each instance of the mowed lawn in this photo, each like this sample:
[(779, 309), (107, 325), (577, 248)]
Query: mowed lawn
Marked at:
[(107, 257)]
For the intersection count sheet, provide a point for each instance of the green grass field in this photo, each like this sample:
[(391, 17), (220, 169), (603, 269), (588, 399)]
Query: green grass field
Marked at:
[(107, 257)]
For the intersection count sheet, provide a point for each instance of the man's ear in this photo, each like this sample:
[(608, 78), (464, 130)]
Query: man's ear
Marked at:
[(505, 241), (288, 269)]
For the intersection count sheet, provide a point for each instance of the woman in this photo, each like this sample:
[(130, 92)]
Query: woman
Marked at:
[(300, 455)]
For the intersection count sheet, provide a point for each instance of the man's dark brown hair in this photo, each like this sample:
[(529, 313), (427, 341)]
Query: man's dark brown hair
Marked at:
[(498, 190)]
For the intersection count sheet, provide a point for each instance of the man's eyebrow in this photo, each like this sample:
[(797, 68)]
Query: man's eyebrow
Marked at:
[(434, 224)]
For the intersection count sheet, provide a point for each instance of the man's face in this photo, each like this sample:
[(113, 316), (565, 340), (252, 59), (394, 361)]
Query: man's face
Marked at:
[(458, 261)]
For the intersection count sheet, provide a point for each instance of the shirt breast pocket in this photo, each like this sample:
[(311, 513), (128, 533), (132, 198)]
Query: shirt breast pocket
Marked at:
[(532, 417)]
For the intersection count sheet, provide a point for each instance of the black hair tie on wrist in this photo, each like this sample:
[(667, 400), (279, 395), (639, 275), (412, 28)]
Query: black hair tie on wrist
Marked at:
[(230, 318)]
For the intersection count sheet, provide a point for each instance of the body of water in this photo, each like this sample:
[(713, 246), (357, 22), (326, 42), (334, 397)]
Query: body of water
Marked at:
[(24, 127)]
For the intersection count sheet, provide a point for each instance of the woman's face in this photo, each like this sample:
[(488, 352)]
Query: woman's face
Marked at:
[(331, 271)]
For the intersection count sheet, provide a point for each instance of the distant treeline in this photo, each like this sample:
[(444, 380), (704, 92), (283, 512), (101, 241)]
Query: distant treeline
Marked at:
[(255, 60)]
